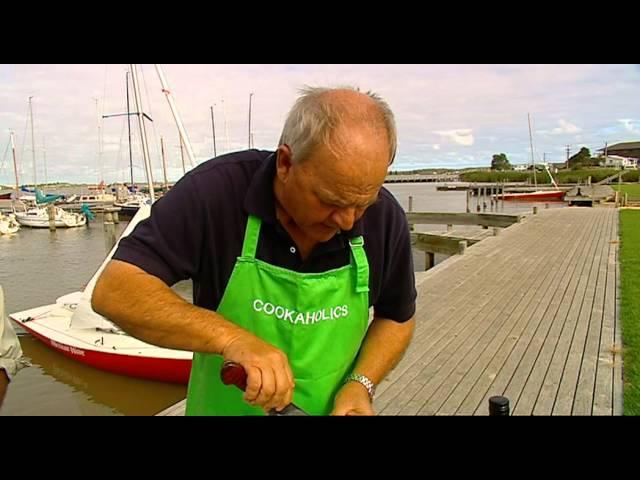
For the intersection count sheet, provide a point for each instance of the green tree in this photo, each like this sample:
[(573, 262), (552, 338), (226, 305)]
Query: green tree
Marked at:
[(500, 162), (580, 159)]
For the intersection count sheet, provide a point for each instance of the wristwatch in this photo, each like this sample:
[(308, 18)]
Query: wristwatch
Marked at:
[(364, 380)]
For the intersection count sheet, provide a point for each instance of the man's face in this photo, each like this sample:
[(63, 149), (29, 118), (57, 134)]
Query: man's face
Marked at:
[(332, 188)]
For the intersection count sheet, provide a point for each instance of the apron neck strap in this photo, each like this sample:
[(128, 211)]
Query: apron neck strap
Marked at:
[(251, 235), (250, 245), (362, 265)]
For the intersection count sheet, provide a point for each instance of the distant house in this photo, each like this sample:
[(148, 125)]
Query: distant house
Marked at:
[(521, 167), (625, 149), (617, 161)]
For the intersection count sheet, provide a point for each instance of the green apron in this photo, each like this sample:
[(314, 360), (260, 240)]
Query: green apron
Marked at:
[(318, 319)]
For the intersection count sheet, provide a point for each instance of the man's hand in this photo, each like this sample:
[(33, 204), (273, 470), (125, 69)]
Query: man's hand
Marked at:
[(269, 377), (353, 399)]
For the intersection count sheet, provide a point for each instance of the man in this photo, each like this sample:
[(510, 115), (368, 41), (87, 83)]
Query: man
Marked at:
[(10, 351), (287, 251)]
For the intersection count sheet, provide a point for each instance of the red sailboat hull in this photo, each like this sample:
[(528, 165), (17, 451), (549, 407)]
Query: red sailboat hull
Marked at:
[(533, 196)]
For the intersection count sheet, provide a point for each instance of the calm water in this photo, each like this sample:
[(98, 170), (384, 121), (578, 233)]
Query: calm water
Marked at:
[(37, 266)]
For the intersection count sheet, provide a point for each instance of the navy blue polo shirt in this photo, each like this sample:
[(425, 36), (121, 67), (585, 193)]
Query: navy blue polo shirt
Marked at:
[(196, 231)]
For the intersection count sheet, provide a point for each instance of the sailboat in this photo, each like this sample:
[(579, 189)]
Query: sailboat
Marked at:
[(8, 223), (38, 216), (71, 327), (537, 195), (130, 200)]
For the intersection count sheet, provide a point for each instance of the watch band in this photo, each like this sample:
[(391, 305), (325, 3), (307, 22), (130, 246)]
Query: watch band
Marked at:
[(364, 380)]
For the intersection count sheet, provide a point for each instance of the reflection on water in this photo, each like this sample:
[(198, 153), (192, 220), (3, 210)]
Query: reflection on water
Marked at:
[(58, 385), (36, 267)]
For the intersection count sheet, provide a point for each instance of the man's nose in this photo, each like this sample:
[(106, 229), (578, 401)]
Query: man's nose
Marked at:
[(345, 218)]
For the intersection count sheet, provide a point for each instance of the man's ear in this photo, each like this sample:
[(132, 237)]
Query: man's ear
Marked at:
[(283, 162)]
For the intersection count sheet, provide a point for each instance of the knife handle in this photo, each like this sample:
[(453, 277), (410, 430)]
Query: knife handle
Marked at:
[(234, 374)]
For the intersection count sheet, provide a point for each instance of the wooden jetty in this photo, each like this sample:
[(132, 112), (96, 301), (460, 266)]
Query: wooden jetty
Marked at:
[(421, 178), (454, 242), (588, 195), (530, 314)]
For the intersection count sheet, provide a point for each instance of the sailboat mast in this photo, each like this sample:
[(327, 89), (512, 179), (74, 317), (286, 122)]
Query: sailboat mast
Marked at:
[(15, 165), (533, 162), (33, 146), (164, 165), (182, 155), (143, 132), (213, 127), (176, 116), (44, 160), (249, 135), (129, 130), (98, 158), (226, 129)]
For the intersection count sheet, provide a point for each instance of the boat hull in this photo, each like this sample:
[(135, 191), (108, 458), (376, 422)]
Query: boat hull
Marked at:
[(557, 195), (148, 367)]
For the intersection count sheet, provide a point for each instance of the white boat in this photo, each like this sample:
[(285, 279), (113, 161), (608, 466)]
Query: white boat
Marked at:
[(132, 203), (38, 217), (8, 224), (93, 199)]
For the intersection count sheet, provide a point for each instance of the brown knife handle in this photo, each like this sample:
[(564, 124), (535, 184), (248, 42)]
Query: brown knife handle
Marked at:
[(234, 374)]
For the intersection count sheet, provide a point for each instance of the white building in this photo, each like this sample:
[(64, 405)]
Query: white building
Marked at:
[(616, 161)]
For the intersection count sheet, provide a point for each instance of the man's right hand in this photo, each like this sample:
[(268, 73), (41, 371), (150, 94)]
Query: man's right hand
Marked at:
[(269, 377)]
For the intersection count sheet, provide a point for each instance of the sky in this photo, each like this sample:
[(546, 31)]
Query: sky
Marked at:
[(448, 116)]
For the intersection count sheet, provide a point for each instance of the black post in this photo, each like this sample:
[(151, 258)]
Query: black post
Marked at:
[(498, 406)]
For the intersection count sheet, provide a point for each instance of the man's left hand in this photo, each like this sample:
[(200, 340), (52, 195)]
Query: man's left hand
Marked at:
[(353, 399)]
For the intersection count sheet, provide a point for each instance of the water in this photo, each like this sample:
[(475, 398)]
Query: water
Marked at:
[(38, 266), (427, 199)]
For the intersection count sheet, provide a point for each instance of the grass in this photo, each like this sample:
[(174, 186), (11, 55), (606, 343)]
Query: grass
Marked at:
[(633, 190), (581, 176), (630, 307), (564, 176)]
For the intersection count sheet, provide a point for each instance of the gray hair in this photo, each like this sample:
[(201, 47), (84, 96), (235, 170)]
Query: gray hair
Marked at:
[(312, 121)]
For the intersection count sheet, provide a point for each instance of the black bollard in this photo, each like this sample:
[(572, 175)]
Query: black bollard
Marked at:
[(498, 406)]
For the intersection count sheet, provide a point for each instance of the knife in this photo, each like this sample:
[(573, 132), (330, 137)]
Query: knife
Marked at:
[(234, 374)]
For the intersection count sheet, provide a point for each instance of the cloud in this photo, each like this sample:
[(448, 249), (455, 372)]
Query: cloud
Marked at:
[(630, 125), (463, 136), (565, 127), (430, 104)]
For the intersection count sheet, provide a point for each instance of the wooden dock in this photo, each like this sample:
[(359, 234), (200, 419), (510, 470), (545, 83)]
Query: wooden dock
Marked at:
[(530, 314), (588, 195), (421, 177), (454, 242)]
